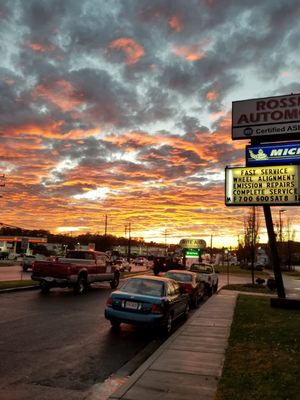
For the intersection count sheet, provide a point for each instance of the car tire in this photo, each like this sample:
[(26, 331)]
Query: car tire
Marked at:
[(216, 287), (195, 302), (25, 269), (45, 287), (115, 282), (209, 290), (81, 285), (186, 311), (115, 325)]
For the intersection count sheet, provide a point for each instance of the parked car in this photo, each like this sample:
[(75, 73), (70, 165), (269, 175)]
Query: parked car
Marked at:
[(28, 260), (123, 265), (77, 270), (164, 264), (3, 255), (191, 283), (147, 301), (208, 275), (142, 261)]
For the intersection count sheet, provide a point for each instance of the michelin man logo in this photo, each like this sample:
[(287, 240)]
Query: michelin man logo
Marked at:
[(261, 155)]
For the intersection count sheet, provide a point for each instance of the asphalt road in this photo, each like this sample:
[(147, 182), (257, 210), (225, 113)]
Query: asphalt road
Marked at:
[(60, 345)]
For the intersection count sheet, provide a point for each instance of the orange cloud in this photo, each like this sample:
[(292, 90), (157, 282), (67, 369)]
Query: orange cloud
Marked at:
[(212, 95), (62, 93), (175, 23), (189, 53), (140, 140), (52, 130), (133, 51), (9, 82), (41, 48)]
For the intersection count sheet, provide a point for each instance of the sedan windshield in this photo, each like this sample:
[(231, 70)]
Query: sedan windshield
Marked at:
[(144, 286)]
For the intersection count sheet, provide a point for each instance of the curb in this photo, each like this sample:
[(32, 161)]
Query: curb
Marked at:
[(19, 289)]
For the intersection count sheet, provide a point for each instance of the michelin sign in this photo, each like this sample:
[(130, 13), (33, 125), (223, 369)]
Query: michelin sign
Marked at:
[(279, 153)]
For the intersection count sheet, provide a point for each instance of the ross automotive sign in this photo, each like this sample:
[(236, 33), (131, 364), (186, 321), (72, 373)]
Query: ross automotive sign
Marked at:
[(270, 154), (274, 185), (269, 116)]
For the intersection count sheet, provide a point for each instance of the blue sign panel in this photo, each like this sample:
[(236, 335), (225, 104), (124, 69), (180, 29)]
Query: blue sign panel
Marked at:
[(270, 154)]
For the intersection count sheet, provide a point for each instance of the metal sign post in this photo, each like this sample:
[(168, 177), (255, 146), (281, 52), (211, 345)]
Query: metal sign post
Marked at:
[(274, 252)]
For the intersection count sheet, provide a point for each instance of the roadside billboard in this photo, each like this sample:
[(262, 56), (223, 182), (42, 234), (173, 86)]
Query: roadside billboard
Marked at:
[(192, 244), (268, 116), (273, 153), (273, 185)]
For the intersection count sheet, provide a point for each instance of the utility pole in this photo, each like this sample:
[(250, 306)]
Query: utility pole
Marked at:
[(2, 184), (105, 227), (166, 247), (211, 249), (129, 242)]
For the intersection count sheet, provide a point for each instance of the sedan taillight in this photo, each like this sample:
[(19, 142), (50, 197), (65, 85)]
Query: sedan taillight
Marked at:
[(109, 302), (156, 309)]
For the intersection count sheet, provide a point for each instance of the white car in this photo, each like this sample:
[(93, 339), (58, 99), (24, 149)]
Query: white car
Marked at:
[(123, 264), (28, 260), (142, 261)]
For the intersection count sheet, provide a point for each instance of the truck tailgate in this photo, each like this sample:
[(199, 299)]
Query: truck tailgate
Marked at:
[(51, 269)]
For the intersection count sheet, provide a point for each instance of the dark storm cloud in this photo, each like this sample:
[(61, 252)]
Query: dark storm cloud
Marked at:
[(134, 97)]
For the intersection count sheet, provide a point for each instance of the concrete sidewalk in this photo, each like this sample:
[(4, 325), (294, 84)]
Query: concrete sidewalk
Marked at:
[(189, 364)]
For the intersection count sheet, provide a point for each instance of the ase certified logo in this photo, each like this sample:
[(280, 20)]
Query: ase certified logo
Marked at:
[(248, 131)]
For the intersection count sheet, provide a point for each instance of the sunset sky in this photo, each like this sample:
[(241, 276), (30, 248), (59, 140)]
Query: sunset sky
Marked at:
[(122, 108)]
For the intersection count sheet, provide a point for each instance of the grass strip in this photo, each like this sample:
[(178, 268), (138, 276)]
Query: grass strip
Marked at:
[(262, 360), (16, 284), (248, 287)]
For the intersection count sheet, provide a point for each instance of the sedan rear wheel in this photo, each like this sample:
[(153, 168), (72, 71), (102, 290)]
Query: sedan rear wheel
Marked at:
[(115, 325)]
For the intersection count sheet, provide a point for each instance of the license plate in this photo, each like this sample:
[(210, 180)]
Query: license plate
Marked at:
[(48, 279), (132, 305)]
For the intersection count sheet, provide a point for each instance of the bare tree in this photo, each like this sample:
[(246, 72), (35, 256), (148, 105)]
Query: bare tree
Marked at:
[(251, 227)]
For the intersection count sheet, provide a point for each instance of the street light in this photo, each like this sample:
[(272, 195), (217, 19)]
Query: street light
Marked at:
[(280, 225)]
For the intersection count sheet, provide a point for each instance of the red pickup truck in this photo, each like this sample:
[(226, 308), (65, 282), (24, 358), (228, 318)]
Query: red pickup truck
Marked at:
[(77, 270)]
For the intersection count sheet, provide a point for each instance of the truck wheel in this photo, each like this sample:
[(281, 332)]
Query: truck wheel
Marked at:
[(81, 285), (45, 287), (215, 287), (115, 282)]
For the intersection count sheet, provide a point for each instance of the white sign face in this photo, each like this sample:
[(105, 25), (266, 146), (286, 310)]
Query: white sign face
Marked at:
[(272, 185), (192, 243), (267, 116)]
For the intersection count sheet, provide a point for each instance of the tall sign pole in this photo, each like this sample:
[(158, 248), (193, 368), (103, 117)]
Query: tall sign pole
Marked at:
[(274, 252)]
